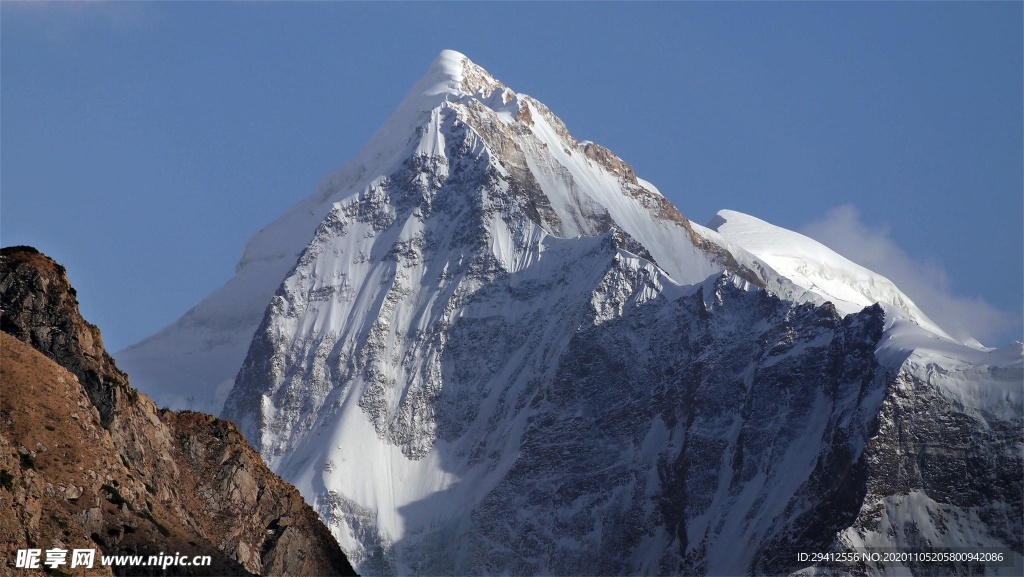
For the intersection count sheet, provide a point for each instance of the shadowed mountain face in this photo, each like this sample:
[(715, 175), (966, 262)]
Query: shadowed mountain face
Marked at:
[(88, 462)]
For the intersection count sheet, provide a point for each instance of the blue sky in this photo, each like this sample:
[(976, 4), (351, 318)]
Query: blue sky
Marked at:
[(141, 144)]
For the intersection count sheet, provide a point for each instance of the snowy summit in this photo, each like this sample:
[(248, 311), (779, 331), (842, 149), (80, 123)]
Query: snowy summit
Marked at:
[(483, 346)]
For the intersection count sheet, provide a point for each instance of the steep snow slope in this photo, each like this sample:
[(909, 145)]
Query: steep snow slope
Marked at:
[(192, 363), (815, 267), (911, 339)]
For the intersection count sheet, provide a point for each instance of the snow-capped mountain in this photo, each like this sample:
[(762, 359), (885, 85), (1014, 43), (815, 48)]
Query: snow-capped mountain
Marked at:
[(494, 349)]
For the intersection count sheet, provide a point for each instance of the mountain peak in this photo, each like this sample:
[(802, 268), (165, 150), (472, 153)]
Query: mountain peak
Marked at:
[(452, 72), (451, 77), (444, 74)]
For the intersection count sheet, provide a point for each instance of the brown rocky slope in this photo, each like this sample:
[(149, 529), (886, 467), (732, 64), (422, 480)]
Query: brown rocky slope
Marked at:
[(86, 461)]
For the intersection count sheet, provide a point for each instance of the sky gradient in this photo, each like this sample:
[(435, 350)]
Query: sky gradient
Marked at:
[(141, 144)]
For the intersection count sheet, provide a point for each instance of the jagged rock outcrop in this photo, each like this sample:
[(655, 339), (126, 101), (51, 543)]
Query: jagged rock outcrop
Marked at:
[(88, 462), (41, 309)]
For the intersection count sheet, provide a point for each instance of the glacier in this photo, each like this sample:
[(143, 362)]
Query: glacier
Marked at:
[(482, 346)]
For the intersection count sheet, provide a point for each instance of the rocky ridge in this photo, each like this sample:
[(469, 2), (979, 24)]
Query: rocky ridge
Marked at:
[(88, 462)]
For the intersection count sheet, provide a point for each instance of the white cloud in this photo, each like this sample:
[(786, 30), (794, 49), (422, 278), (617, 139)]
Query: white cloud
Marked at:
[(926, 283)]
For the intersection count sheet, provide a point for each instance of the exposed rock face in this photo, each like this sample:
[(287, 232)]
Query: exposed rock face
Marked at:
[(40, 309), (88, 462), (672, 433), (942, 473)]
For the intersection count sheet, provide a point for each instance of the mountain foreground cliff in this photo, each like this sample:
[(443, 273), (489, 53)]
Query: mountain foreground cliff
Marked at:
[(87, 462), (483, 346)]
